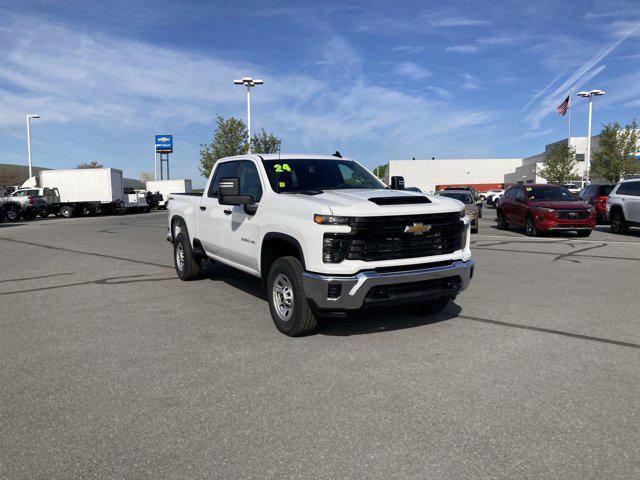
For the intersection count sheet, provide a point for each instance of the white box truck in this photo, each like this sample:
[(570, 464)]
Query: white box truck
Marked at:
[(167, 187), (85, 191)]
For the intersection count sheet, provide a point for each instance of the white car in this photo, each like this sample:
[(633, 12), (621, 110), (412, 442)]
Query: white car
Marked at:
[(492, 196), (623, 206), (324, 235), (573, 188)]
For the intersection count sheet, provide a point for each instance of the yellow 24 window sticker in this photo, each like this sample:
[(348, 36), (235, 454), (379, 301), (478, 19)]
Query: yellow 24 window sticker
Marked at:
[(281, 184), (282, 168)]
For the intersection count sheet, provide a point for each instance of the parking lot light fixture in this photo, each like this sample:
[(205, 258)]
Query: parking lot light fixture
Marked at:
[(589, 94), (249, 83), (29, 117)]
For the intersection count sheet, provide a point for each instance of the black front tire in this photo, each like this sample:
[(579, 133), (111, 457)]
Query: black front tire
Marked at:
[(502, 223), (187, 264), (530, 227), (67, 211), (288, 303), (618, 223), (13, 213)]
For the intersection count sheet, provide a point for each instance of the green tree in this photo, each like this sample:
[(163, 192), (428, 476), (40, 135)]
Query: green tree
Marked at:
[(381, 171), (559, 164), (146, 176), (616, 155), (93, 164), (229, 139), (265, 143)]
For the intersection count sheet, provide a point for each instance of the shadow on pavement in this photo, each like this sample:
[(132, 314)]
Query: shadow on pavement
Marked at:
[(357, 323), (382, 320)]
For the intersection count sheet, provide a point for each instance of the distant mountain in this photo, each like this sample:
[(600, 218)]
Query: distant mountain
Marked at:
[(20, 173)]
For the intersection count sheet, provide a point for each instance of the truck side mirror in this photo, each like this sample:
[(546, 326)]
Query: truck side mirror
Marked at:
[(397, 183), (229, 192)]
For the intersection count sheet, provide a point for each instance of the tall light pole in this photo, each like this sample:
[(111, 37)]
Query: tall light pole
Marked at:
[(29, 117), (590, 94), (249, 83)]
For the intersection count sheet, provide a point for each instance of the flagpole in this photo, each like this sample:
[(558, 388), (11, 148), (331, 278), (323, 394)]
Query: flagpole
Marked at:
[(570, 109)]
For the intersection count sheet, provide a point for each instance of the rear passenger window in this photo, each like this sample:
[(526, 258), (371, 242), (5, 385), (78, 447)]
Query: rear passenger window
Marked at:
[(226, 169), (623, 189), (634, 188)]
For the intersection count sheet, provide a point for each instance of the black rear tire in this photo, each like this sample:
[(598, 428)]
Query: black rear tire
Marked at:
[(187, 264), (618, 223), (288, 303)]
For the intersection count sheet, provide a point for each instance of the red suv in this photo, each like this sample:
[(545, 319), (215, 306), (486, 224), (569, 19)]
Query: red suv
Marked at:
[(542, 208), (597, 195)]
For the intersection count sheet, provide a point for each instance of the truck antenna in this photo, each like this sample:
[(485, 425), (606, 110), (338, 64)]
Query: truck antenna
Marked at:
[(337, 154)]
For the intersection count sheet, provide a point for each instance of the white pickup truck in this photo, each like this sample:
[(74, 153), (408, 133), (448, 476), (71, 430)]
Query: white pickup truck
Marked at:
[(324, 235)]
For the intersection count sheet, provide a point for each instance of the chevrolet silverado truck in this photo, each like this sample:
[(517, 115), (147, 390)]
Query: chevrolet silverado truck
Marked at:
[(324, 235)]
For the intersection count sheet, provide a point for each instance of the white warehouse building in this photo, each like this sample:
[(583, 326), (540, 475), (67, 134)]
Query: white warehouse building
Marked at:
[(482, 173)]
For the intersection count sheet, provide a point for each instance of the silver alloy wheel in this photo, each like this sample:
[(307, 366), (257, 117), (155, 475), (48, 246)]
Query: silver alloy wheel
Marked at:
[(283, 297), (180, 257)]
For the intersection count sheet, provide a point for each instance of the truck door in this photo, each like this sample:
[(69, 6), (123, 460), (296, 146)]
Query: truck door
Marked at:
[(210, 213), (241, 230)]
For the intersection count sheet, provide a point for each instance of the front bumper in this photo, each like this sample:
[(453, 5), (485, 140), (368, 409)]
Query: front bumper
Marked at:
[(553, 224), (376, 288)]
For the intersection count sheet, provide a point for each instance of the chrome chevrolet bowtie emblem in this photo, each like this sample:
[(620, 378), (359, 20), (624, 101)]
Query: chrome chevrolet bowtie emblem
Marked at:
[(417, 228)]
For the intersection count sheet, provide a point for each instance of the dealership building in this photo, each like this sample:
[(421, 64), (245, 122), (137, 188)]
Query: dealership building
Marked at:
[(528, 171), (435, 174)]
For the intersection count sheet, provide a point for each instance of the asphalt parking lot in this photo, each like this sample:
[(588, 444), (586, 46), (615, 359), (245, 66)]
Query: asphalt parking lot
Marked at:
[(113, 368)]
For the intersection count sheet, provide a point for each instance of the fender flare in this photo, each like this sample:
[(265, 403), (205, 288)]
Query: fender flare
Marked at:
[(286, 238)]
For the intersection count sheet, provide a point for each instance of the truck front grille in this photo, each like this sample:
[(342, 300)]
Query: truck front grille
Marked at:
[(385, 238)]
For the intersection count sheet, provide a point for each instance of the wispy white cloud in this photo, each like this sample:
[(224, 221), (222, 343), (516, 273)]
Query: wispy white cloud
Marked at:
[(462, 48), (543, 106), (412, 70), (470, 82), (95, 80)]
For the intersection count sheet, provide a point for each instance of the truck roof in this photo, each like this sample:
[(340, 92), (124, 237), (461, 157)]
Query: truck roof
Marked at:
[(289, 156)]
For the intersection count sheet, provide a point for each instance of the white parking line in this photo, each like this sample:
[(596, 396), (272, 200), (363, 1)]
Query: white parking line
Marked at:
[(555, 240)]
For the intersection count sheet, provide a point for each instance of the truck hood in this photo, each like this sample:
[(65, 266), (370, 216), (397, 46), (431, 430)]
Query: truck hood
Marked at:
[(358, 202), (560, 205)]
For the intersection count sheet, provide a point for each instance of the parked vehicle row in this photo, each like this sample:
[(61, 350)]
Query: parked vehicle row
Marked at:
[(81, 192), (546, 207)]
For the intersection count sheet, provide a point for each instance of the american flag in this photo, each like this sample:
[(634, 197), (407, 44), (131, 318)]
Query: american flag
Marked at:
[(562, 108)]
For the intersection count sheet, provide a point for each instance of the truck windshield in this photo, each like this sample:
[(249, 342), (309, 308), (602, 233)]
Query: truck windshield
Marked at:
[(301, 175)]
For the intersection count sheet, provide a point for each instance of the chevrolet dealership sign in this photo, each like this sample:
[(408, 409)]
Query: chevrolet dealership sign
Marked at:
[(164, 143)]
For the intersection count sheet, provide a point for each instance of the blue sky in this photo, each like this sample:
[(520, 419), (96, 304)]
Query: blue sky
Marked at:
[(376, 80)]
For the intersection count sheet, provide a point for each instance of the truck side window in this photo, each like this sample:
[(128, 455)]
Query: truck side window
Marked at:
[(250, 181), (226, 169)]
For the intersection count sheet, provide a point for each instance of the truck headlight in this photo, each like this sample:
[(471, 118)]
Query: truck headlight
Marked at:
[(330, 220)]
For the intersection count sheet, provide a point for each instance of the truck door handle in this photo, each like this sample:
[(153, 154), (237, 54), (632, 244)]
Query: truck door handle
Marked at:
[(203, 208), (226, 212)]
